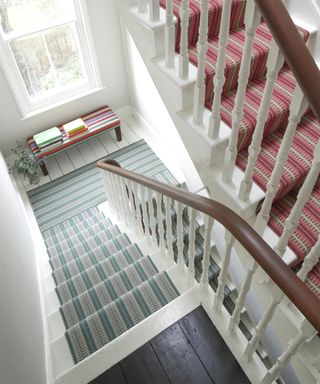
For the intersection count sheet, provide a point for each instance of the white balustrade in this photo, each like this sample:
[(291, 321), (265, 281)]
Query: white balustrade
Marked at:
[(310, 261), (152, 217), (137, 206), (192, 239), (240, 302), (303, 196), (180, 242), (162, 245), (297, 108), (124, 201), (206, 253), (116, 201), (274, 64), (142, 6), (222, 279), (219, 77), (108, 190), (145, 215), (184, 54), (154, 10), (202, 47), (169, 36), (252, 20), (169, 235)]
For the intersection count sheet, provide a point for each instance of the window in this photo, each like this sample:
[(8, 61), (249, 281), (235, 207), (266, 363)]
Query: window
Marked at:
[(46, 50)]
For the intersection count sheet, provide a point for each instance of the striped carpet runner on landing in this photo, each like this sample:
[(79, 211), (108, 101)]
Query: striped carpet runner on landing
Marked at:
[(308, 132)]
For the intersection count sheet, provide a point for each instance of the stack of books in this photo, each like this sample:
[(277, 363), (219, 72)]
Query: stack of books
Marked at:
[(74, 128), (48, 139)]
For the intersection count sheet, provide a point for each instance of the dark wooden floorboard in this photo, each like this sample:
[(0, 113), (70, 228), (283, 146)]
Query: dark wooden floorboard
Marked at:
[(212, 350), (143, 366), (191, 351), (178, 357)]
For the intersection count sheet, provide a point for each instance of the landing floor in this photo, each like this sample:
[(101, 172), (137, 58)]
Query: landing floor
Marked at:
[(190, 351)]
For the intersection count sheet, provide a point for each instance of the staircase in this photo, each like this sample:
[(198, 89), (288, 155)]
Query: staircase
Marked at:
[(246, 124)]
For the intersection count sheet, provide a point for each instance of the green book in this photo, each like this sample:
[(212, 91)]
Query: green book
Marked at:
[(47, 136)]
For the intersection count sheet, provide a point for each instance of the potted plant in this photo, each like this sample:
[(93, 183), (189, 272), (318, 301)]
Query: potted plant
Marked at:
[(26, 164)]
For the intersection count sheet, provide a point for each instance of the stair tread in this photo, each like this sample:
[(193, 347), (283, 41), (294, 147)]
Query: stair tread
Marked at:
[(111, 321), (107, 291), (81, 242), (95, 274), (90, 258)]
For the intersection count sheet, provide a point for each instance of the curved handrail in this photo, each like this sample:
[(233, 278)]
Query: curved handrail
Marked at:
[(263, 254), (294, 50)]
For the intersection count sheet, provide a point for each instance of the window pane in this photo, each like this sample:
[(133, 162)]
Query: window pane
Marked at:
[(23, 15), (49, 61)]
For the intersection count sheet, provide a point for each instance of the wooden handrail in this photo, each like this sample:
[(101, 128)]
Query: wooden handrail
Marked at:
[(264, 255), (294, 50)]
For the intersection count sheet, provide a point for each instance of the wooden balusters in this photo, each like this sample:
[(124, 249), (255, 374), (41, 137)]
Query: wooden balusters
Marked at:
[(206, 253), (154, 10), (169, 36), (222, 279), (142, 6), (180, 243), (297, 108), (252, 20), (202, 46), (219, 78), (310, 261), (162, 245), (274, 64), (303, 196), (184, 54), (169, 235), (192, 239)]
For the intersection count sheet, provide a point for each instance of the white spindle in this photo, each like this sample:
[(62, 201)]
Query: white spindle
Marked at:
[(152, 217), (109, 194), (162, 245), (123, 200), (306, 332), (206, 253), (133, 205), (276, 296), (184, 54), (145, 216), (169, 36), (116, 200), (219, 78), (202, 47), (240, 302), (303, 196), (180, 243), (154, 10), (142, 6), (297, 108), (192, 239), (252, 20), (310, 261), (274, 64), (169, 235), (222, 279)]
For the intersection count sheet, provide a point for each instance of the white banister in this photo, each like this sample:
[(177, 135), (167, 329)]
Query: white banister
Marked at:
[(274, 64), (184, 54), (192, 239), (252, 20), (142, 6), (116, 202), (219, 77), (297, 108), (310, 261), (208, 222), (180, 243), (145, 215), (121, 203), (169, 36), (125, 202), (202, 47), (222, 279), (137, 207), (154, 10), (162, 245), (303, 196), (169, 235), (152, 217)]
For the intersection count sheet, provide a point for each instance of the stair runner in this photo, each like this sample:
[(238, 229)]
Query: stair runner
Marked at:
[(308, 131)]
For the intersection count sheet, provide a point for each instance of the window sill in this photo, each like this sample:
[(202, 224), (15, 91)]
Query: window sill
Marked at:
[(62, 102)]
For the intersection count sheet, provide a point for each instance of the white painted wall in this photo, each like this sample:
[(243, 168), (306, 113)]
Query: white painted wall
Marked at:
[(22, 359), (107, 37)]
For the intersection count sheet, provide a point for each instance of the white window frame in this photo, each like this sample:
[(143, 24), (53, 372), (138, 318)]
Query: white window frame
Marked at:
[(28, 105)]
